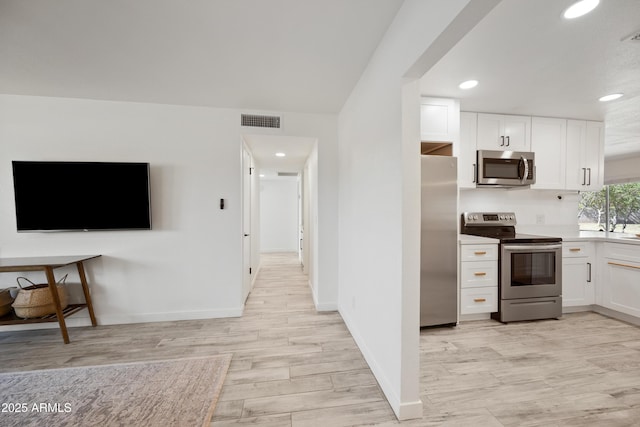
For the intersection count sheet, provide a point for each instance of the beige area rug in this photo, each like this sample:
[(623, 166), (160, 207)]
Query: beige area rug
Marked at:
[(179, 392)]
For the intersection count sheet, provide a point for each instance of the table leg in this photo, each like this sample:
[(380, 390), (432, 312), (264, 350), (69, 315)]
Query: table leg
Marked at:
[(87, 295), (51, 280)]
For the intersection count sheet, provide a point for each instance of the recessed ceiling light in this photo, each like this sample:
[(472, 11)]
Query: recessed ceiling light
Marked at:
[(610, 97), (280, 154), (468, 84), (261, 175), (580, 8)]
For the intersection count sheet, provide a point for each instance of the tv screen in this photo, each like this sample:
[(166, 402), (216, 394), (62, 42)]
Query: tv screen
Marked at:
[(82, 196)]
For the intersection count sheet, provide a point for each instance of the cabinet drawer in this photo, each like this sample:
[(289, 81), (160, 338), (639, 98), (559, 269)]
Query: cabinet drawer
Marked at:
[(575, 249), (478, 252), (620, 251), (478, 274), (479, 300)]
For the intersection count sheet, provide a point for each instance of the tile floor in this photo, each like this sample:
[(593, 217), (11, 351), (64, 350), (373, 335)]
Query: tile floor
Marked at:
[(295, 367)]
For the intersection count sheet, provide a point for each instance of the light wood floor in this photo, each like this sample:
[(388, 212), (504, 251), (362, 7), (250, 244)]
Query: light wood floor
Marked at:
[(295, 367)]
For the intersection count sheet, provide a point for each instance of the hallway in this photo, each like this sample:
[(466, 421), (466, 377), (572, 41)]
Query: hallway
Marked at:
[(292, 366)]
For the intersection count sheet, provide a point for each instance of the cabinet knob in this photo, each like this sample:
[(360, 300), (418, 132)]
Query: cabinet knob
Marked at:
[(479, 299), (480, 252), (574, 249), (480, 274)]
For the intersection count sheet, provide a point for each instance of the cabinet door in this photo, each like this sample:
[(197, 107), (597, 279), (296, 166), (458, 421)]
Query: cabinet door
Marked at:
[(467, 150), (585, 155), (621, 290), (490, 132), (593, 155), (440, 120), (577, 287), (576, 172), (503, 132), (517, 132), (549, 143)]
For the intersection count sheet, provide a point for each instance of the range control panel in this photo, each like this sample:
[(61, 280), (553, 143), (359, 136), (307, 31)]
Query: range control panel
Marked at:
[(489, 218)]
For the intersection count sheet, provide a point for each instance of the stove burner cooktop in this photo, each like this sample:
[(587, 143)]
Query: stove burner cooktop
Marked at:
[(498, 225)]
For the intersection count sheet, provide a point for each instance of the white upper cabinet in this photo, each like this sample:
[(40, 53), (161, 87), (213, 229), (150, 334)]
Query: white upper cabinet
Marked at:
[(467, 152), (594, 155), (440, 120), (504, 132), (585, 155), (549, 143)]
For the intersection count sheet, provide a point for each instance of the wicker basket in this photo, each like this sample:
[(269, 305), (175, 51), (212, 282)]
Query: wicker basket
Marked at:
[(36, 300), (5, 302)]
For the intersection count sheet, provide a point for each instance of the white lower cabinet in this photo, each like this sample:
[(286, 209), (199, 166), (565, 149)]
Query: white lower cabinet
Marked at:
[(577, 274), (478, 278), (621, 273)]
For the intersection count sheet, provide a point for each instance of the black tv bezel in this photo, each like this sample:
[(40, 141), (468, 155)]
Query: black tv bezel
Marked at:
[(79, 229)]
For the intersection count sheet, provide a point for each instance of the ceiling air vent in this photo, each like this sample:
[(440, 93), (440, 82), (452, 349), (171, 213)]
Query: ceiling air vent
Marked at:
[(287, 173), (258, 121)]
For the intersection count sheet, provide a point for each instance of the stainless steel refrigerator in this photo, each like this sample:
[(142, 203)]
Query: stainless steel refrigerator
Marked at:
[(438, 241)]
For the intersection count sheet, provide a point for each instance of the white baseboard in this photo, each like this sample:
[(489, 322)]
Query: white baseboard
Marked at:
[(475, 316), (329, 306), (410, 411), (325, 306), (402, 410), (617, 315)]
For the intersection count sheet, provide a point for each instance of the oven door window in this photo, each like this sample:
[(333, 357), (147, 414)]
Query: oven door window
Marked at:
[(533, 268)]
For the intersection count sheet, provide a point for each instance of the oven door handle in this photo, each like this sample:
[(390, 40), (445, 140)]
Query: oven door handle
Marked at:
[(531, 247)]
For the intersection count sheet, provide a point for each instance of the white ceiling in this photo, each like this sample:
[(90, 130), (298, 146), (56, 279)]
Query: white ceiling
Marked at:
[(306, 56), (530, 60), (264, 148), (280, 55)]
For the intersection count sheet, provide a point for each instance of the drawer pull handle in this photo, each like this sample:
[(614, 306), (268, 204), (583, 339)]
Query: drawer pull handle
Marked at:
[(624, 265), (479, 274), (480, 252), (479, 299), (574, 249)]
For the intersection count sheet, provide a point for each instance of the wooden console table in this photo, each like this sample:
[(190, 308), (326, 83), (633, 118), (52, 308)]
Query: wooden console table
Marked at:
[(48, 264)]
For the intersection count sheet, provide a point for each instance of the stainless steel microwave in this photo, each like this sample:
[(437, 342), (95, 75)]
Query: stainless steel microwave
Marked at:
[(505, 168)]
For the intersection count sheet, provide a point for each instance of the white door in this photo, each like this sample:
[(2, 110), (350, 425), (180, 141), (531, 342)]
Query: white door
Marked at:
[(246, 224)]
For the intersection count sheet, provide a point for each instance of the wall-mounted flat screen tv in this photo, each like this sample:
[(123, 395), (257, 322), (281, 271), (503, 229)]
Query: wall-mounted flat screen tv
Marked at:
[(81, 196)]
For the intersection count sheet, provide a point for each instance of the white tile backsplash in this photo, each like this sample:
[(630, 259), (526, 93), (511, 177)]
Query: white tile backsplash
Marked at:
[(535, 209)]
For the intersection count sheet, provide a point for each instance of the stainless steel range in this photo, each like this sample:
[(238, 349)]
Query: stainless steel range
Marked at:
[(530, 279)]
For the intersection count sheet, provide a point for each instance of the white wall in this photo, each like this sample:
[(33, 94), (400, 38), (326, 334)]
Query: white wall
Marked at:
[(379, 190), (190, 264), (279, 215), (328, 300), (323, 171), (536, 210)]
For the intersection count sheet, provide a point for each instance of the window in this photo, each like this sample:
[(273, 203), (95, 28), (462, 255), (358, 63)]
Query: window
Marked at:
[(616, 209)]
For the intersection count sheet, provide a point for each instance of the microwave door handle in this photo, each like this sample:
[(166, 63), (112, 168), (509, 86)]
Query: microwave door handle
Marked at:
[(523, 169)]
